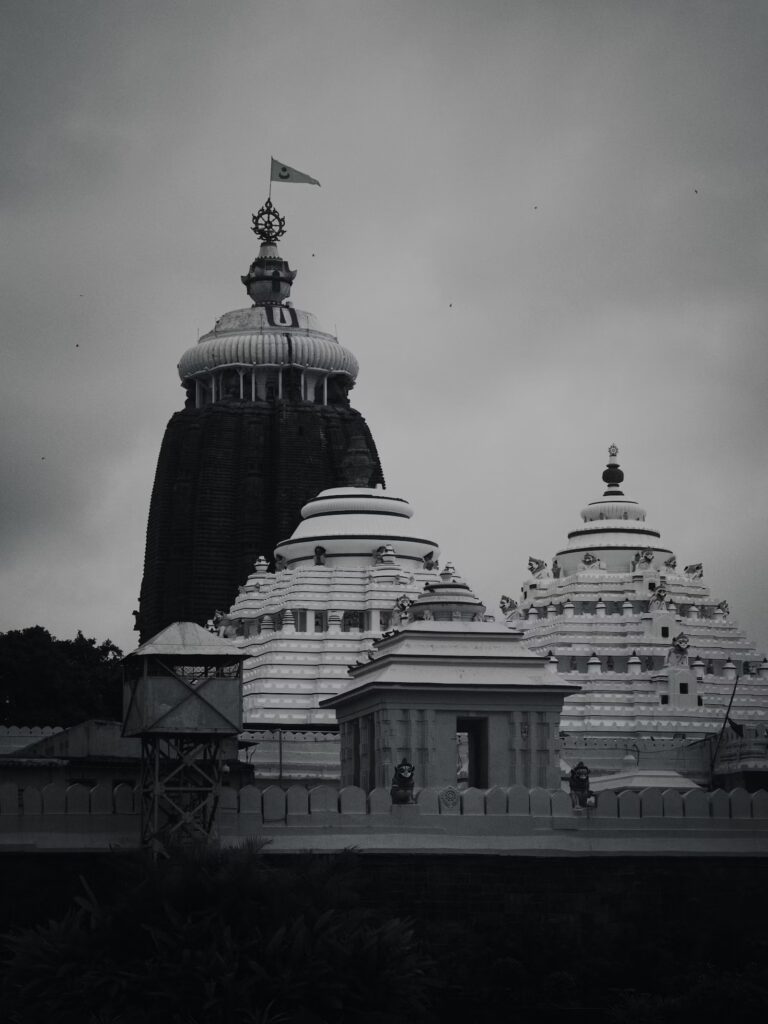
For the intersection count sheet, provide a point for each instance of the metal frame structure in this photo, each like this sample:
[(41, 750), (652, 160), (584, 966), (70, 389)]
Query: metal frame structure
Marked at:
[(180, 787)]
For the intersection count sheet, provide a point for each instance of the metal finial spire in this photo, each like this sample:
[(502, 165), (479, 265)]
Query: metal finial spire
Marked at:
[(267, 223), (613, 475)]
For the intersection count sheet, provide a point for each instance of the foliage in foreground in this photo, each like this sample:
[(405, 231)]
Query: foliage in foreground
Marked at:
[(219, 938), (239, 937)]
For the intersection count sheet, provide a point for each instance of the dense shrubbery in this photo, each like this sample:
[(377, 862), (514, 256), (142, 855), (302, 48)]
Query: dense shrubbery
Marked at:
[(238, 937), (218, 938)]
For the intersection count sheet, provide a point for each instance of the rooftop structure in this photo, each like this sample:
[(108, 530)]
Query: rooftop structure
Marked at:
[(266, 425), (657, 655), (448, 679), (350, 569)]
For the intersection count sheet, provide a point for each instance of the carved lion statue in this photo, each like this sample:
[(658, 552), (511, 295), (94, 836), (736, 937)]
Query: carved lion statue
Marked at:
[(694, 571), (536, 567)]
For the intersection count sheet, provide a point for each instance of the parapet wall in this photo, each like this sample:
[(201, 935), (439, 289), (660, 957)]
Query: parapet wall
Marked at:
[(328, 818)]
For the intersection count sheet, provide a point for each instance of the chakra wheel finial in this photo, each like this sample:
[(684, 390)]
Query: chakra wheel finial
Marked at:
[(613, 451), (268, 224)]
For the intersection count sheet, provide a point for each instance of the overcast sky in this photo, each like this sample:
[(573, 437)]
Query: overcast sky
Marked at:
[(542, 228)]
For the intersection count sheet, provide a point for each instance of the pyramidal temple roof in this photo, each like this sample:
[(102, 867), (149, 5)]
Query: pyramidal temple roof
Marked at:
[(351, 570), (657, 654)]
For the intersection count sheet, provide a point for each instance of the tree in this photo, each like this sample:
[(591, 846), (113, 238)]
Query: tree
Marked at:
[(45, 681)]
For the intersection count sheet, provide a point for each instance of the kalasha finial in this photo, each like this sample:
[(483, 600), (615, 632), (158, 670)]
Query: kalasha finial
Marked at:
[(267, 223), (613, 475)]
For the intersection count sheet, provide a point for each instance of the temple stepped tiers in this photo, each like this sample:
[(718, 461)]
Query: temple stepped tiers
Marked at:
[(267, 424), (656, 654), (349, 571)]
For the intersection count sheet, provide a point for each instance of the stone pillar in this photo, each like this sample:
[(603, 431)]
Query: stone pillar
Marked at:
[(240, 374), (693, 613), (253, 385), (627, 608), (729, 671), (698, 668), (334, 621), (289, 621), (280, 383), (551, 611), (533, 614), (310, 620), (197, 394), (568, 610), (325, 390), (375, 626), (593, 665), (600, 609), (267, 624), (634, 664)]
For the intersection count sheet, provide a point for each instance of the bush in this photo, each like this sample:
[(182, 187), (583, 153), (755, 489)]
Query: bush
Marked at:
[(219, 938)]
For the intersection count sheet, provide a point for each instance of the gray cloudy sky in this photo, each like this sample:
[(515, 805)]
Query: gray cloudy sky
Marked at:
[(542, 228)]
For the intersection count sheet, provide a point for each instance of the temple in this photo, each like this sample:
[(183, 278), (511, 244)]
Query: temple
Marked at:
[(266, 425), (657, 655), (348, 573)]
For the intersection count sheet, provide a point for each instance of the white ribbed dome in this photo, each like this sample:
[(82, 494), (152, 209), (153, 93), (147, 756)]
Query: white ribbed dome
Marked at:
[(613, 528), (613, 508), (352, 524), (356, 500), (268, 336)]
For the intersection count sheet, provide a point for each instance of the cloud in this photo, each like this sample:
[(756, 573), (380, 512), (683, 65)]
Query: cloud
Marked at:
[(541, 229)]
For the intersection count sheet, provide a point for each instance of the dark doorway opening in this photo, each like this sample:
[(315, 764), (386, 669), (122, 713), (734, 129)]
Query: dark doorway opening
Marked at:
[(476, 732)]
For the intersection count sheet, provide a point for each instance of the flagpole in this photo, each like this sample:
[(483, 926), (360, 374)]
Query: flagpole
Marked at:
[(722, 730)]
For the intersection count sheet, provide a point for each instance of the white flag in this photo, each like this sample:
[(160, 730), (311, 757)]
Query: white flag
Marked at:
[(282, 172)]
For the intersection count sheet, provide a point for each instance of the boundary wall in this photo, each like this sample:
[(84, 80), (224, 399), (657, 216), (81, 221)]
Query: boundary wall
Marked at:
[(327, 818)]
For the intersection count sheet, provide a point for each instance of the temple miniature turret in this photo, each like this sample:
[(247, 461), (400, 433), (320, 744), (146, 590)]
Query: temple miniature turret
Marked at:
[(266, 425), (656, 653)]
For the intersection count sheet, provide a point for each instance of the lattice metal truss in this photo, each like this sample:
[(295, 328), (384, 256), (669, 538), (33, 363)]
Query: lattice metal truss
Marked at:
[(180, 788)]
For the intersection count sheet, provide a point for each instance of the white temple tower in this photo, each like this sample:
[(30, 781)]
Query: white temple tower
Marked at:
[(656, 654), (350, 570)]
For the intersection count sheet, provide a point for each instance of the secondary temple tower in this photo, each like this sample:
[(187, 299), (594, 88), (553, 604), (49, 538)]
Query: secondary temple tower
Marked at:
[(266, 425), (660, 660)]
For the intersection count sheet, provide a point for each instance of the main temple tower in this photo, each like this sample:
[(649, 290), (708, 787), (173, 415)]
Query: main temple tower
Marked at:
[(266, 425)]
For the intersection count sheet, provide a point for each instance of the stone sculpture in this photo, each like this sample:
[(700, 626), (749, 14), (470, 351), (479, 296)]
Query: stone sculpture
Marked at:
[(694, 571), (401, 790), (678, 653), (430, 562), (537, 567)]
